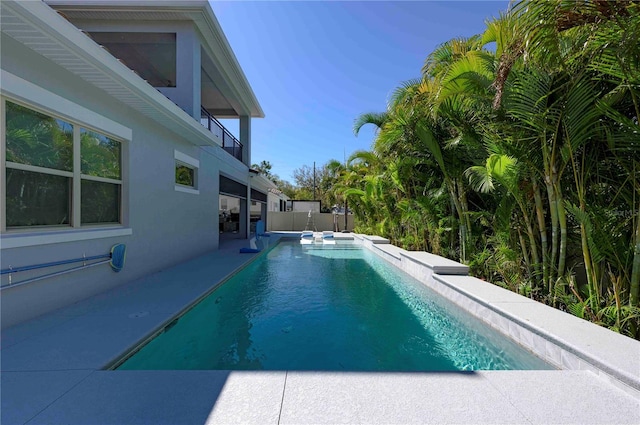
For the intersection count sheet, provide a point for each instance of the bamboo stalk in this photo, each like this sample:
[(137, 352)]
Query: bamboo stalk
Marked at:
[(553, 212), (525, 254), (586, 255), (461, 223), (465, 213), (542, 229), (562, 221), (532, 240)]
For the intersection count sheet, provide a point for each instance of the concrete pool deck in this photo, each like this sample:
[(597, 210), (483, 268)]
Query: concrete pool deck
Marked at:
[(52, 372)]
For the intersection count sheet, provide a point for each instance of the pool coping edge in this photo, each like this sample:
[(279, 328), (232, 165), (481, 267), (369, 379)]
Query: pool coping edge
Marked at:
[(551, 348)]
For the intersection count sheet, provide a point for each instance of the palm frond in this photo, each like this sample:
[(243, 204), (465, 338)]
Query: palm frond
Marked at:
[(376, 118)]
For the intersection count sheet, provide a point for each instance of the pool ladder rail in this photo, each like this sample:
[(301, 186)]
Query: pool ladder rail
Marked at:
[(115, 258)]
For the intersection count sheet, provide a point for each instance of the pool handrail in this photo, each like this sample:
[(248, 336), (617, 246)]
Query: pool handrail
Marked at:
[(115, 258)]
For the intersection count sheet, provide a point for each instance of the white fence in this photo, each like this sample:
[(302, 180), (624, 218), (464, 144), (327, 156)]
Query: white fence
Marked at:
[(297, 221)]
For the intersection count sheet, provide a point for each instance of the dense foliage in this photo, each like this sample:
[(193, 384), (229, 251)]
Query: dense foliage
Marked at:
[(311, 183), (518, 152)]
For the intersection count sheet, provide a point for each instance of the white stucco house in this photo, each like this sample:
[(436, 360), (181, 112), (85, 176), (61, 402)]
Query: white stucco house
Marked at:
[(110, 135)]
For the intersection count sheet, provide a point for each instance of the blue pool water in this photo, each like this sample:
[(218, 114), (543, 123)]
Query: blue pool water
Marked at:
[(339, 307)]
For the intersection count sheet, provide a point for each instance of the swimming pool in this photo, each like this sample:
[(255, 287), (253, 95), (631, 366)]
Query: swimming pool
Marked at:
[(337, 307)]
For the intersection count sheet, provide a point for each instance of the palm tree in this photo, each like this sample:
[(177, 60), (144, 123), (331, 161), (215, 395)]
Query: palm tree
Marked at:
[(541, 134)]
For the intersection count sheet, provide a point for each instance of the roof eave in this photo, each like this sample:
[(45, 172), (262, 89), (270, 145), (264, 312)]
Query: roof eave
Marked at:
[(239, 78), (215, 42), (105, 71)]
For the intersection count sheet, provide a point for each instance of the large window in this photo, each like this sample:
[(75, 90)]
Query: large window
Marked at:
[(59, 173)]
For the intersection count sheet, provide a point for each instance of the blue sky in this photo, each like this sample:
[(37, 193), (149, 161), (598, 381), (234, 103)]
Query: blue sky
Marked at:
[(316, 66)]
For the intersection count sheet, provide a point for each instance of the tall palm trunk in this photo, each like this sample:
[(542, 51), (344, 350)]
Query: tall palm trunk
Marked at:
[(532, 243), (542, 228), (525, 253), (532, 240), (579, 179), (549, 181), (592, 279), (562, 222), (588, 265), (553, 212), (465, 214), (558, 234), (451, 185)]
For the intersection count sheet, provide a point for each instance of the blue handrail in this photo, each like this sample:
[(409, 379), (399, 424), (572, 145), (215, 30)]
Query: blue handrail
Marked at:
[(52, 264), (117, 256)]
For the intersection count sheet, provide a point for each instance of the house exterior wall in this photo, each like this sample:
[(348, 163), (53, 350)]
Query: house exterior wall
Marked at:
[(166, 225)]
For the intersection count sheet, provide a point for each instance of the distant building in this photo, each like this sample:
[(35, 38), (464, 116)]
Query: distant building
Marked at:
[(268, 199), (305, 206)]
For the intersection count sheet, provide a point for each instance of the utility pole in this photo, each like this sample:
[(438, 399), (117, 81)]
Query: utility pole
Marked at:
[(344, 157), (314, 180)]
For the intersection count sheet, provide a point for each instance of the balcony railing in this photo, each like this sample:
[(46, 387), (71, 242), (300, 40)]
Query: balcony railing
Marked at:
[(229, 142)]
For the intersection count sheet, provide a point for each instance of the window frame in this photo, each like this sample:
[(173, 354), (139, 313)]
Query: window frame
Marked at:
[(75, 174), (184, 160), (36, 98), (87, 177), (33, 169)]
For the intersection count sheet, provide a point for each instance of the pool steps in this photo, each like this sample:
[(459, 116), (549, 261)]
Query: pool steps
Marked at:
[(327, 237)]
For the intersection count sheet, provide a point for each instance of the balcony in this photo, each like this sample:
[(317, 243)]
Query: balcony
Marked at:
[(229, 142)]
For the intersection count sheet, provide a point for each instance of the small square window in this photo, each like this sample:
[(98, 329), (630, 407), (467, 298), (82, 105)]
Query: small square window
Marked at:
[(185, 176), (186, 173)]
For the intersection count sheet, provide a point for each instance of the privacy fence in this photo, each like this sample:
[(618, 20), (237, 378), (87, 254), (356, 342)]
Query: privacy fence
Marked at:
[(298, 221)]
